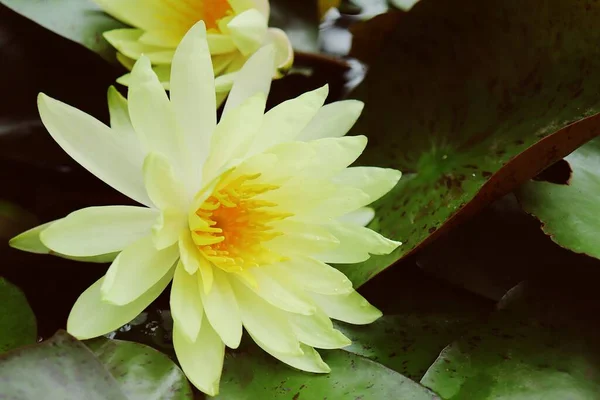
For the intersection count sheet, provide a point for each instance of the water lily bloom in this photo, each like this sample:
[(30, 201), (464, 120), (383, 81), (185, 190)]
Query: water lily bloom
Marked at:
[(235, 30), (241, 215)]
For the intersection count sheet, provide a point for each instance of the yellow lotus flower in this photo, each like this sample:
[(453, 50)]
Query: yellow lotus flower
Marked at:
[(242, 215), (236, 29)]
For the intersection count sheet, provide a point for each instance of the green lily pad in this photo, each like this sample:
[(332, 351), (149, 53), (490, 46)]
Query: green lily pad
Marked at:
[(17, 321), (256, 375), (458, 91), (419, 319), (81, 21), (61, 368), (542, 344), (570, 214), (498, 248), (142, 372)]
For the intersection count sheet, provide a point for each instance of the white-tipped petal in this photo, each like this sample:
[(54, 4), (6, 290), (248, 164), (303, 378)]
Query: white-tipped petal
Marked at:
[(153, 117), (98, 230), (285, 121), (266, 323), (248, 31), (254, 77), (317, 331), (351, 308), (375, 182), (186, 304), (136, 270), (357, 243), (193, 97), (333, 120), (221, 309), (91, 316), (202, 360), (313, 275), (95, 146)]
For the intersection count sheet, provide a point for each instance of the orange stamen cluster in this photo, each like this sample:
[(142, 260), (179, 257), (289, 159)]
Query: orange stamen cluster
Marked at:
[(209, 11), (237, 225)]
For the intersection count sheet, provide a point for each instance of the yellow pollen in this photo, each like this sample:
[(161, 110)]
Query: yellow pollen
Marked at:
[(237, 225)]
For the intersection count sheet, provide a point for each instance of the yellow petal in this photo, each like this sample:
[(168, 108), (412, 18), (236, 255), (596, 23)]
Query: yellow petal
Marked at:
[(220, 44), (160, 38), (309, 360), (363, 216), (163, 186), (150, 14), (254, 77), (153, 117), (186, 304), (248, 31), (30, 241), (91, 316), (356, 244), (285, 121), (317, 331), (375, 182), (194, 261), (266, 323), (202, 360), (136, 270), (312, 275), (193, 98), (221, 309), (127, 42), (284, 53), (300, 238), (94, 146), (279, 292), (98, 230), (120, 124), (333, 120), (351, 308), (232, 136)]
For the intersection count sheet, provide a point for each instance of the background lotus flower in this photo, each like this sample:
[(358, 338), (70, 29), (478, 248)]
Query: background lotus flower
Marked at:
[(242, 215), (235, 30)]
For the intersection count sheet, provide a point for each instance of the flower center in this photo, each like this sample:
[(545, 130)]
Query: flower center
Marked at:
[(211, 12), (237, 225)]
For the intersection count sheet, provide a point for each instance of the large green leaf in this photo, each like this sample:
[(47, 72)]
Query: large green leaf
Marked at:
[(542, 344), (81, 21), (17, 322), (253, 374), (570, 213), (61, 368), (421, 316), (142, 372), (498, 248), (458, 90)]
